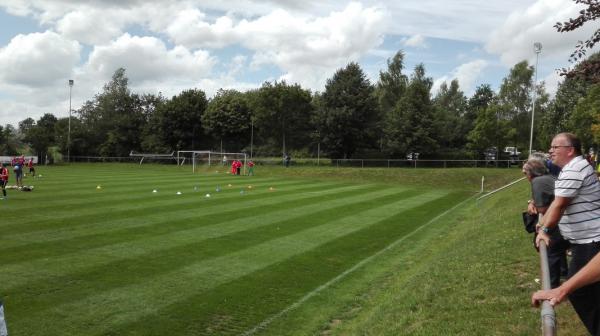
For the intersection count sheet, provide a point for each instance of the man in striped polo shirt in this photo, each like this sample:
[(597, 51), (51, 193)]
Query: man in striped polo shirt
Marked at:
[(576, 211)]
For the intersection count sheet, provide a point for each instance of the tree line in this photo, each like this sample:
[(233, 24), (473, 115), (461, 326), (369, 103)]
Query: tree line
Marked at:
[(350, 118)]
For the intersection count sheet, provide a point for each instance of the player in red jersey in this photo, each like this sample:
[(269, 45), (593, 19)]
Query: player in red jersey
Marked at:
[(3, 179)]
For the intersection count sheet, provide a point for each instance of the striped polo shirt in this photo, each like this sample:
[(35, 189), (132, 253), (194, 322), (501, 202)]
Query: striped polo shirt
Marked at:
[(580, 223)]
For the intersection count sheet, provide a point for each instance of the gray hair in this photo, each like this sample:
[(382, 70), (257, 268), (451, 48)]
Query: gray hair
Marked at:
[(535, 167)]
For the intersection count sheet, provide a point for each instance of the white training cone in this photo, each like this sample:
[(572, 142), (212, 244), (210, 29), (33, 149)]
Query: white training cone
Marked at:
[(154, 191), (207, 195), (98, 187), (179, 193)]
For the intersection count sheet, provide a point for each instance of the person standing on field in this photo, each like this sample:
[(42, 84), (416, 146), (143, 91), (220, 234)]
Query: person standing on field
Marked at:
[(3, 179), (31, 168), (576, 212), (250, 168)]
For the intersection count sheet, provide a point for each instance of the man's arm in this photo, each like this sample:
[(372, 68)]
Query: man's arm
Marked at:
[(587, 275), (552, 217)]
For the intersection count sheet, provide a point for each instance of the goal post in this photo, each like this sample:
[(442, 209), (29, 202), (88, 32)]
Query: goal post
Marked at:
[(152, 156), (210, 158)]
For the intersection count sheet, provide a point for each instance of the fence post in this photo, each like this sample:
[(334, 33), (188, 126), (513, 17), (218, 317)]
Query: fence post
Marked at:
[(547, 312)]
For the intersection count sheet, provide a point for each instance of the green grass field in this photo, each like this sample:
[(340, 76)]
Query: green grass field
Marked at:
[(287, 252)]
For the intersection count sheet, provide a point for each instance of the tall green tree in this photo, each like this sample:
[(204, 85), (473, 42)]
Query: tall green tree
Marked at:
[(175, 124), (569, 92), (41, 135), (8, 140), (281, 115), (409, 127), (348, 113), (114, 118), (450, 109), (490, 129), (392, 83), (227, 119), (390, 89), (585, 119), (515, 96)]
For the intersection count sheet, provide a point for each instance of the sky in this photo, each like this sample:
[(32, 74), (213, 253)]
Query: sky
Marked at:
[(170, 46)]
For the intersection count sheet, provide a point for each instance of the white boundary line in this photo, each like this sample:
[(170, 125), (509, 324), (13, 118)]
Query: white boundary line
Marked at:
[(342, 275)]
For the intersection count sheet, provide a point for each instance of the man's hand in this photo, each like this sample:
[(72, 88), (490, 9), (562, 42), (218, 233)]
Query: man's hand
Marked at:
[(555, 296), (541, 235), (531, 209)]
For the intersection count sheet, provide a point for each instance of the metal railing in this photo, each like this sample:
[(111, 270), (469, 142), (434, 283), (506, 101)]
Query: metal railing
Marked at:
[(548, 315)]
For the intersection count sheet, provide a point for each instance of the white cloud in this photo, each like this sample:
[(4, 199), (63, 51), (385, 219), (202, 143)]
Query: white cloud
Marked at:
[(148, 59), (416, 41), (513, 40), (91, 26), (38, 59), (466, 74)]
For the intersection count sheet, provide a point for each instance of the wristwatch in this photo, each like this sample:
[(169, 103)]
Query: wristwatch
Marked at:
[(545, 229)]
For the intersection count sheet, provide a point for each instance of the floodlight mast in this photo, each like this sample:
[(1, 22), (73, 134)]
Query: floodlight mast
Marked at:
[(537, 48), (71, 82)]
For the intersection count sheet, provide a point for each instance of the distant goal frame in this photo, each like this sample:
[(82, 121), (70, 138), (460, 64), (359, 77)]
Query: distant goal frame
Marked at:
[(210, 154)]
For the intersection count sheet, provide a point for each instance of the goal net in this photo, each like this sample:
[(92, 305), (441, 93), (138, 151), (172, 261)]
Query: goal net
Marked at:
[(209, 158)]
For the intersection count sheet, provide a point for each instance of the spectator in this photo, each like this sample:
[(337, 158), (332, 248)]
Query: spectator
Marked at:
[(286, 160), (576, 211), (542, 195)]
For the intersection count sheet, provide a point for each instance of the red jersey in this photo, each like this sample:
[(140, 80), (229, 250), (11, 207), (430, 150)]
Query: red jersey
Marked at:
[(30, 163), (3, 174)]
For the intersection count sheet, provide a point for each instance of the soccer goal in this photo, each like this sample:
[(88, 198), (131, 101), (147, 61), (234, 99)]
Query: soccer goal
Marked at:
[(152, 156), (210, 158)]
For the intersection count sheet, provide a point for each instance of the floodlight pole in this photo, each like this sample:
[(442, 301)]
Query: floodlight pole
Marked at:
[(537, 48), (71, 82)]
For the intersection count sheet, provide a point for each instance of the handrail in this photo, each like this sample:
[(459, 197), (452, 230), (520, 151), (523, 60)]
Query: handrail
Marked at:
[(501, 188), (547, 312)]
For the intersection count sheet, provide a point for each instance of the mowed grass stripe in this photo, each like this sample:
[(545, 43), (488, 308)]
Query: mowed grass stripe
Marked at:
[(89, 195), (66, 288), (56, 242), (93, 201), (135, 301), (147, 184), (154, 207), (239, 305), (156, 245)]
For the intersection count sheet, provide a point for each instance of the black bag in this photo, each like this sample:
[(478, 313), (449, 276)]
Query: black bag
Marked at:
[(529, 221)]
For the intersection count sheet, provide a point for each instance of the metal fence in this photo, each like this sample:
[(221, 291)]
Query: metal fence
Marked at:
[(356, 163)]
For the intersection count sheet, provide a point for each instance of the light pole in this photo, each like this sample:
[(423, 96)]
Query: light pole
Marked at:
[(251, 135), (71, 82), (537, 48)]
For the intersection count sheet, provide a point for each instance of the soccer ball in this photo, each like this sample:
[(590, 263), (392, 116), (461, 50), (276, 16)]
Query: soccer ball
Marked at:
[(154, 191), (179, 193), (207, 195)]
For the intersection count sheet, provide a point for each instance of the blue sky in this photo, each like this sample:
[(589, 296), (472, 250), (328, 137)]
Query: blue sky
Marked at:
[(171, 46)]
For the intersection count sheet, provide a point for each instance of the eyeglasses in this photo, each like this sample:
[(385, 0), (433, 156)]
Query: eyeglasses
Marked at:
[(555, 147)]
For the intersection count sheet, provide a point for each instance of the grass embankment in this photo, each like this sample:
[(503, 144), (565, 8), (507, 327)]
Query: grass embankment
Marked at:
[(469, 273), (121, 260)]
